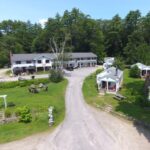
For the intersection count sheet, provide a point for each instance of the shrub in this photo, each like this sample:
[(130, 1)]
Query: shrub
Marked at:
[(56, 76), (7, 113), (24, 114), (11, 104), (17, 112), (119, 63), (135, 72)]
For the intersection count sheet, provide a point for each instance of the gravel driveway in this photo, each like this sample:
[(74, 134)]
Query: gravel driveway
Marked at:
[(85, 128)]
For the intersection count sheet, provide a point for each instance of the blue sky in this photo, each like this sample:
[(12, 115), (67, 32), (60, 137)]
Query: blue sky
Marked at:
[(35, 10)]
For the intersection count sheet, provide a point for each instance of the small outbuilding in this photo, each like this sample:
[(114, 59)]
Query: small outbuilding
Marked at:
[(108, 62), (144, 70), (110, 80)]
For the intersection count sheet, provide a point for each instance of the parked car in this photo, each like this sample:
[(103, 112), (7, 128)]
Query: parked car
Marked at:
[(69, 68)]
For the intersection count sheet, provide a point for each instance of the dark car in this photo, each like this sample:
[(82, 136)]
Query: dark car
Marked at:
[(69, 68)]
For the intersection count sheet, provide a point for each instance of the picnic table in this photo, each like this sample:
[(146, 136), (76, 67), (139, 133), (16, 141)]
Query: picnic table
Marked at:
[(119, 97)]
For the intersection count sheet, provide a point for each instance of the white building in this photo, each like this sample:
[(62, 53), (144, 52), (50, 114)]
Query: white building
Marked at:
[(145, 70), (108, 62), (110, 80), (45, 61)]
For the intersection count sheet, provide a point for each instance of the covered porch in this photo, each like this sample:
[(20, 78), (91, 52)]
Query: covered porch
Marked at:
[(109, 86), (145, 72)]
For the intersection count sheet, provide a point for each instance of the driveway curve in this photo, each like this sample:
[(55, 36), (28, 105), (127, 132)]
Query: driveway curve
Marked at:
[(85, 128)]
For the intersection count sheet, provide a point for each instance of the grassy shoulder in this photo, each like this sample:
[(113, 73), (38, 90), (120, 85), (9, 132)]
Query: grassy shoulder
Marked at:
[(132, 89), (38, 103)]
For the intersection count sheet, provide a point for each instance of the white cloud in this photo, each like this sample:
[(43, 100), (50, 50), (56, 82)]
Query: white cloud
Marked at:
[(42, 22)]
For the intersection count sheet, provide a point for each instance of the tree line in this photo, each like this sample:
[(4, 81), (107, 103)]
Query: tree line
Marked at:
[(127, 38)]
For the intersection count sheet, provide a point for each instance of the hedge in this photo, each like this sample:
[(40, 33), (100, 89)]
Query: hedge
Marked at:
[(5, 85)]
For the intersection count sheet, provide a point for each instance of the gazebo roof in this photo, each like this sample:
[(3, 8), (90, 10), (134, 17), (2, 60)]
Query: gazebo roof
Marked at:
[(111, 74)]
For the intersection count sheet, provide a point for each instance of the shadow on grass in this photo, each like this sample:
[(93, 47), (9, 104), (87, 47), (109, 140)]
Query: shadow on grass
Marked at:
[(133, 106)]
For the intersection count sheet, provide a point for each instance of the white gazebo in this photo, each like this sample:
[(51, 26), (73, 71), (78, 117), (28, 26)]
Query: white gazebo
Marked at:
[(144, 70), (5, 101), (110, 80)]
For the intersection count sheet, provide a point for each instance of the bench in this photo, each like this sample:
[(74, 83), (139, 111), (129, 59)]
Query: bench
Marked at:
[(119, 97)]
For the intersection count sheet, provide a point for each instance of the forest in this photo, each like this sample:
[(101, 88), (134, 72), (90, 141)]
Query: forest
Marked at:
[(126, 38)]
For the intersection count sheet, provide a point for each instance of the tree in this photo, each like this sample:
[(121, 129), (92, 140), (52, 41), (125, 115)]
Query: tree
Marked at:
[(134, 72), (119, 63), (113, 39), (58, 51), (130, 51), (143, 53)]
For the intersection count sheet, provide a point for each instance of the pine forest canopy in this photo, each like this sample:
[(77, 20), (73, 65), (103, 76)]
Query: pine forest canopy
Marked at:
[(127, 38)]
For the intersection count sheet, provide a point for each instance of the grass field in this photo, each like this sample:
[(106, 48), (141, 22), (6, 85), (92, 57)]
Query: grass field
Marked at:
[(132, 89), (38, 103)]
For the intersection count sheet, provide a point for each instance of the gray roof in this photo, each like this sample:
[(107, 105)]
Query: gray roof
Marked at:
[(141, 66), (111, 73), (81, 55), (24, 57)]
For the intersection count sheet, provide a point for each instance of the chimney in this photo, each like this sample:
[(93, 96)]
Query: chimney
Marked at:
[(116, 71)]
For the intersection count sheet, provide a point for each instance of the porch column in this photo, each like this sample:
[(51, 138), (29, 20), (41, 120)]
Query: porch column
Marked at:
[(116, 87)]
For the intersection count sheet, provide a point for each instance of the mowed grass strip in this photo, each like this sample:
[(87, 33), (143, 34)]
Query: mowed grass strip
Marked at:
[(132, 89), (38, 103)]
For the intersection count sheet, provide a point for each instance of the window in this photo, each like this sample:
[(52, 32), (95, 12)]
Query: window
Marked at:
[(18, 62), (28, 62), (39, 61), (47, 61)]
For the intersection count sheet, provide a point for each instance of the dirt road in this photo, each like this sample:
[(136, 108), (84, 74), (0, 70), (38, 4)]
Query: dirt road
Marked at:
[(85, 128)]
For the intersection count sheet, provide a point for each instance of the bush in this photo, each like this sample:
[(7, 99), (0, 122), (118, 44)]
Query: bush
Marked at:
[(11, 104), (56, 76), (24, 114), (135, 72), (7, 113), (119, 63)]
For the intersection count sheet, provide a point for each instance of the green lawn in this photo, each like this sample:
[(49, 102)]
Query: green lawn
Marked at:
[(132, 89), (38, 103)]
